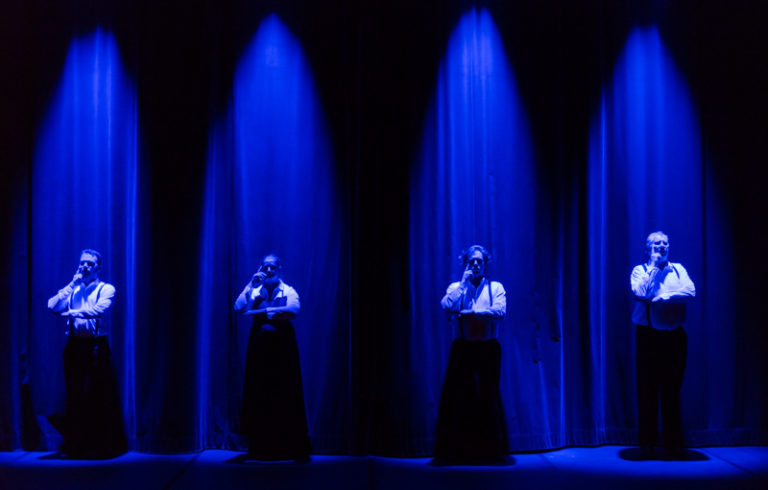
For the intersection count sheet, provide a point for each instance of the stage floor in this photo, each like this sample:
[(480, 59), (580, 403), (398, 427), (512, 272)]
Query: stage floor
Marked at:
[(613, 467)]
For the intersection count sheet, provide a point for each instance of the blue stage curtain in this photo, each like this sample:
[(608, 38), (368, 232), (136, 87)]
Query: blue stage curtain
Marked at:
[(475, 183), (648, 171), (84, 194), (568, 341), (271, 188)]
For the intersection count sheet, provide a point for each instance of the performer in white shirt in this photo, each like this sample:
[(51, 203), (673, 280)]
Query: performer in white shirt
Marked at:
[(273, 414), (471, 428), (662, 290), (93, 422)]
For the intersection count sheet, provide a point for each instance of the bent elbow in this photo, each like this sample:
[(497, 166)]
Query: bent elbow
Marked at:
[(240, 303), (449, 306), (54, 307)]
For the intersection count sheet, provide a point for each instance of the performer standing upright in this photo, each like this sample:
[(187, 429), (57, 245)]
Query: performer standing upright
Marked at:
[(662, 289), (93, 423), (471, 428), (273, 414)]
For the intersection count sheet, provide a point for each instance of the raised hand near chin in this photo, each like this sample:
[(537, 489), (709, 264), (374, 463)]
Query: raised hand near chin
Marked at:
[(466, 277), (77, 278), (258, 278)]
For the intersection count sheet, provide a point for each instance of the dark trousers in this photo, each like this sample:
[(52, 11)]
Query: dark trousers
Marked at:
[(273, 415), (471, 427), (660, 358), (93, 424)]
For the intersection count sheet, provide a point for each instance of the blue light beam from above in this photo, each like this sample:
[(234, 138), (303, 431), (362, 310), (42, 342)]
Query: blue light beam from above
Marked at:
[(271, 188), (474, 182), (84, 195), (647, 173)]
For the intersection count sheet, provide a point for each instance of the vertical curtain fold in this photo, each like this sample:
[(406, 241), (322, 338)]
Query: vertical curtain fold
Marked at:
[(271, 188), (474, 182), (647, 172), (84, 194)]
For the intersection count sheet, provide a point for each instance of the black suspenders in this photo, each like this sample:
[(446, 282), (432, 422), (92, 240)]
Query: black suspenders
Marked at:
[(490, 301), (71, 321)]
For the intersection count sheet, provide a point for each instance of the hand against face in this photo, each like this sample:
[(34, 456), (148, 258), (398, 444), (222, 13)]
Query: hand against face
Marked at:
[(77, 278), (659, 251), (466, 277), (659, 259), (258, 278)]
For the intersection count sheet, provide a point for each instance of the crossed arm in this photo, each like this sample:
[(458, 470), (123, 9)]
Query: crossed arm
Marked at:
[(248, 298), (651, 285), (451, 302), (60, 303)]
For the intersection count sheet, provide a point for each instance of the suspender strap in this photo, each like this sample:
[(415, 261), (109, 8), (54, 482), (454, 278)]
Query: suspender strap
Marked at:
[(647, 304), (71, 321), (490, 294), (98, 296)]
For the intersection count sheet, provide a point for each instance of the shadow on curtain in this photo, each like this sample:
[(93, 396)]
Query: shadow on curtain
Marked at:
[(84, 195), (271, 188), (647, 172), (474, 183)]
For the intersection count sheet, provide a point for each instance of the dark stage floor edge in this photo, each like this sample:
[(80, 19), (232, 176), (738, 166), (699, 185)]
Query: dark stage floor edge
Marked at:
[(605, 467)]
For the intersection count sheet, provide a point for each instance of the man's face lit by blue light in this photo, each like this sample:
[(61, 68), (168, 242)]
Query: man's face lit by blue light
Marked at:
[(89, 267), (271, 267), (658, 246), (476, 264)]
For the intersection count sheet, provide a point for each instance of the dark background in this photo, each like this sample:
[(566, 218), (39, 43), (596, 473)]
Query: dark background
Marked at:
[(374, 65)]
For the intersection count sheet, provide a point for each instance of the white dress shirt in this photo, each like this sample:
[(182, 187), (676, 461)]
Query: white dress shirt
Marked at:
[(283, 297), (488, 301), (661, 295), (92, 300)]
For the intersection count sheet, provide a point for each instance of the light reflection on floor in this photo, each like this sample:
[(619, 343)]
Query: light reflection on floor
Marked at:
[(596, 468)]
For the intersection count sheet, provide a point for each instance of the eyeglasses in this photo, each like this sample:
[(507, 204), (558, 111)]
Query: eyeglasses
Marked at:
[(269, 267), (89, 263)]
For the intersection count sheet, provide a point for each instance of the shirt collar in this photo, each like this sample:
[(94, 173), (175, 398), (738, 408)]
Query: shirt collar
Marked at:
[(90, 287), (279, 286)]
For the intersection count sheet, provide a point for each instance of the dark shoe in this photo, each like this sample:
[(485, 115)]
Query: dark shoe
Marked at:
[(646, 452), (674, 454), (303, 459)]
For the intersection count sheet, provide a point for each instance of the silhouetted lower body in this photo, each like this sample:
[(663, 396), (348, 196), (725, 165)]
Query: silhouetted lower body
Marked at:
[(93, 419), (660, 357), (471, 428), (273, 416)]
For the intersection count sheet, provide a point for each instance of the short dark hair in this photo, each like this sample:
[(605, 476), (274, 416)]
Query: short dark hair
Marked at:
[(465, 254), (93, 252)]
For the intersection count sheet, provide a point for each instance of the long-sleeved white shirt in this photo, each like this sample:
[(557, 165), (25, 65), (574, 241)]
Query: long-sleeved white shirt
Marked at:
[(283, 305), (92, 301), (661, 295), (488, 302)]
